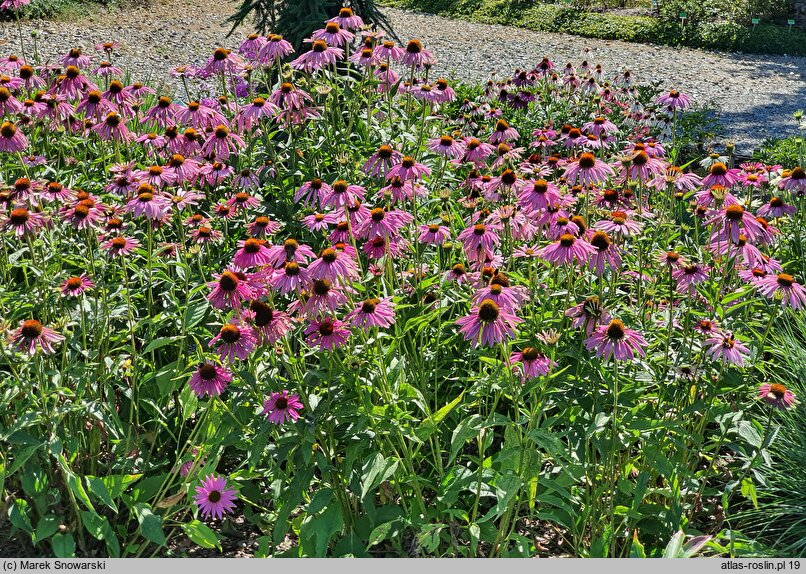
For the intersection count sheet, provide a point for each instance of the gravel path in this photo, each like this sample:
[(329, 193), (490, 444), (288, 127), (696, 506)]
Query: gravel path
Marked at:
[(755, 95)]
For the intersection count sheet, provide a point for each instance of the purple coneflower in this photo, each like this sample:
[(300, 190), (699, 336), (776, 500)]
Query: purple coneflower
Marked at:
[(408, 168), (12, 140), (347, 19), (415, 55), (213, 498), (488, 324), (329, 333), (606, 253), (724, 347), (587, 170), (282, 407), (777, 395), (531, 363), (209, 379), (269, 324), (446, 146), (567, 250), (615, 340), (319, 56), (228, 291), (32, 334), (372, 313), (719, 174), (792, 293), (794, 180), (776, 208), (23, 222), (433, 234), (236, 341), (120, 245), (674, 100), (76, 285)]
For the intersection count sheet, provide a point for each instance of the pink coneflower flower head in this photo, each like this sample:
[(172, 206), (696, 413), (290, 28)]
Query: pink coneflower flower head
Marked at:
[(223, 61), (777, 395), (600, 125), (269, 324), (23, 222), (617, 341), (724, 347), (736, 221), (446, 146), (348, 19), (688, 275), (587, 170), (479, 240), (120, 245), (382, 161), (229, 290), (719, 174), (333, 34), (567, 250), (794, 180), (275, 48), (620, 224), (503, 132), (222, 143), (372, 313), (75, 57), (342, 194), (415, 55), (282, 407), (329, 333), (674, 100), (606, 253), (32, 334), (236, 341), (76, 285), (213, 498), (531, 363), (251, 253), (776, 208), (209, 380), (433, 234), (12, 140), (488, 324), (589, 314), (407, 169), (784, 285), (113, 127), (319, 56)]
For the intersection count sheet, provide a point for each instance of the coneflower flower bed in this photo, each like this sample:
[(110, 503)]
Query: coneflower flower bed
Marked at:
[(339, 299)]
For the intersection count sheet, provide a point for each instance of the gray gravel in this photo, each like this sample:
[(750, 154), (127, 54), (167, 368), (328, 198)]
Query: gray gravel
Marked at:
[(755, 95)]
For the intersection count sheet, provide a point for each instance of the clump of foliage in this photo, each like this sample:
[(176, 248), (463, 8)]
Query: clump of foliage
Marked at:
[(369, 314), (704, 32)]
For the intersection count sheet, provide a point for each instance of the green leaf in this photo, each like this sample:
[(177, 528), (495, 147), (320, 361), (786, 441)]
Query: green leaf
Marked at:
[(117, 484), (748, 432), (45, 528), (675, 545), (475, 535), (375, 471), (380, 533), (22, 457), (463, 432), (100, 529), (194, 314), (637, 549), (202, 535), (18, 515), (430, 425), (159, 342), (150, 524), (318, 530), (99, 489), (429, 535), (749, 491), (63, 545), (75, 484), (506, 487)]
